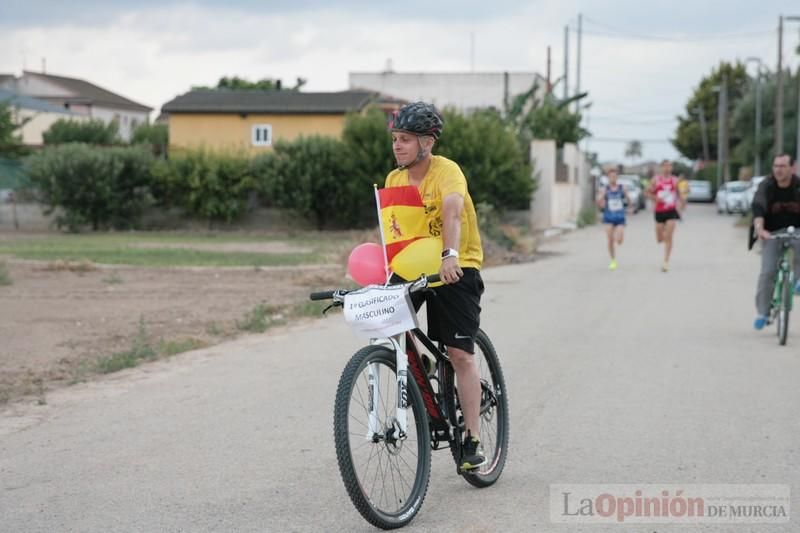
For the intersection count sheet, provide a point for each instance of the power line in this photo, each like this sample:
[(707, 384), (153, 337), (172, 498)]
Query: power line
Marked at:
[(614, 32)]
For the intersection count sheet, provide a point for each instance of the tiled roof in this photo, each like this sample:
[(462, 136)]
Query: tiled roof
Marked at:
[(28, 102), (90, 92), (256, 101)]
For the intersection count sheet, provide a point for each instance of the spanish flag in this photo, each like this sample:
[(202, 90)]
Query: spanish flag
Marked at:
[(402, 218)]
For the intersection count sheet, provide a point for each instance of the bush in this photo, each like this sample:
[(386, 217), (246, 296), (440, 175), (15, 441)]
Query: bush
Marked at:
[(208, 185), (368, 143), (154, 135), (489, 154), (93, 131), (587, 217), (102, 187), (315, 176)]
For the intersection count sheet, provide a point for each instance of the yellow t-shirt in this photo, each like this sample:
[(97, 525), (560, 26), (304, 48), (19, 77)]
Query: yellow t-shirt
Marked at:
[(445, 177)]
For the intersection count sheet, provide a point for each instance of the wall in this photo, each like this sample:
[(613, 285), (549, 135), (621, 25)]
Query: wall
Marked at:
[(463, 90), (39, 123), (128, 119), (221, 131), (556, 203)]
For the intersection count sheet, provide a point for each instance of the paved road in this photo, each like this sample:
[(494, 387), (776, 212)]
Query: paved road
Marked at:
[(632, 376)]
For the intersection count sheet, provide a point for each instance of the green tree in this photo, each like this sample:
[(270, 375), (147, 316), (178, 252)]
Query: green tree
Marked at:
[(211, 186), (633, 150), (235, 83), (487, 149), (535, 116), (368, 143), (93, 131), (314, 176), (688, 136), (156, 136), (10, 141), (743, 121), (100, 187)]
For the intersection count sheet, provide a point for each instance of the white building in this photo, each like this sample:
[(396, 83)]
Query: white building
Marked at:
[(462, 90), (36, 116), (81, 98)]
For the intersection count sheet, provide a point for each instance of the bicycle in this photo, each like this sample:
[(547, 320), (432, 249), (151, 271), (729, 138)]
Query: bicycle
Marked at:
[(782, 295), (383, 448)]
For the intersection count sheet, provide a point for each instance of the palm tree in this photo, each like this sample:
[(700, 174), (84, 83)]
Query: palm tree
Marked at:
[(634, 150)]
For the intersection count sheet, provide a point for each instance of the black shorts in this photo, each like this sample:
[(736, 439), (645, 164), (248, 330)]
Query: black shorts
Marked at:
[(454, 311), (662, 217)]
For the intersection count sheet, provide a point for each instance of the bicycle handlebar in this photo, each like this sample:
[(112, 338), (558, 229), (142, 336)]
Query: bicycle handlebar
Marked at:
[(339, 293)]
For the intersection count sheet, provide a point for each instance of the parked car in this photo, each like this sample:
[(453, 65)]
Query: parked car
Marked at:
[(700, 191), (633, 184), (732, 197), (755, 181)]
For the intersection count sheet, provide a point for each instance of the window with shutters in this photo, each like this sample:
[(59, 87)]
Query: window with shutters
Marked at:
[(262, 135)]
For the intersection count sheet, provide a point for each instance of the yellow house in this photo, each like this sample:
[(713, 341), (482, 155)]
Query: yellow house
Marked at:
[(252, 121)]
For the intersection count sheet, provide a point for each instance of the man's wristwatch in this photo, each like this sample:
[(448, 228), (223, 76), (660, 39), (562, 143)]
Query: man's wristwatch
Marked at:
[(449, 252)]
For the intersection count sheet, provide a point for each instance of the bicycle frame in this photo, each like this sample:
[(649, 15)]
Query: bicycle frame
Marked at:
[(408, 358), (785, 274)]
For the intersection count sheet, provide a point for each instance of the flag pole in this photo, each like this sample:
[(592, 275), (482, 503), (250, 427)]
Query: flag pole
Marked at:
[(380, 225)]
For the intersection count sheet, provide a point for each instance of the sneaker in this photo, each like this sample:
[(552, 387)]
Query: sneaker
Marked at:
[(760, 322), (612, 265), (665, 267), (472, 456)]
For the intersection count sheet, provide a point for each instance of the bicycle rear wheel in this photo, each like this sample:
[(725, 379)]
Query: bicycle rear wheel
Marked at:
[(386, 476), (783, 314), (494, 433)]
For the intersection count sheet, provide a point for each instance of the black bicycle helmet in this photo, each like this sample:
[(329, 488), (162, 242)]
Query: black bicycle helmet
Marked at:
[(418, 118)]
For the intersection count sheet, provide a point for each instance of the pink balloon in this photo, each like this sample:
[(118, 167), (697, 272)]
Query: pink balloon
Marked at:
[(365, 264)]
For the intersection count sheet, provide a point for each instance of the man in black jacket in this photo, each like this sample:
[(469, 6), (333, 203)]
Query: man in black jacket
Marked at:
[(776, 206)]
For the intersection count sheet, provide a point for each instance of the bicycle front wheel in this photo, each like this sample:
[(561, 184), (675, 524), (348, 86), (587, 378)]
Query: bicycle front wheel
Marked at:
[(385, 473), (783, 314)]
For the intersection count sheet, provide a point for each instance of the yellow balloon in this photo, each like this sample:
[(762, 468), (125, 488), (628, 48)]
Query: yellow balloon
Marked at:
[(423, 256)]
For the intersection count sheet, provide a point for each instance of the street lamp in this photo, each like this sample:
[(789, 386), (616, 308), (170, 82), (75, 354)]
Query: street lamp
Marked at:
[(757, 164), (779, 94)]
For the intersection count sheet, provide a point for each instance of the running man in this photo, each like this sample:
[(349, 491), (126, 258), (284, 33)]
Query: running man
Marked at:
[(612, 199), (664, 192)]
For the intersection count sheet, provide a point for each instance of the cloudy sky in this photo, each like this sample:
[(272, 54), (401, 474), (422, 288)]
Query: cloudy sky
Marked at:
[(641, 60)]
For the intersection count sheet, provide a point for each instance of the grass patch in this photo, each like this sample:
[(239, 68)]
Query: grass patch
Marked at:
[(215, 329), (81, 266), (140, 349), (128, 249), (307, 308), (260, 318), (5, 277), (173, 347)]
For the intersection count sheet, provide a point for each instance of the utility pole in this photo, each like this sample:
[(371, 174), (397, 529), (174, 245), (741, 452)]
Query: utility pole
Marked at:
[(779, 94), (549, 83), (566, 62), (722, 121), (578, 73), (704, 131)]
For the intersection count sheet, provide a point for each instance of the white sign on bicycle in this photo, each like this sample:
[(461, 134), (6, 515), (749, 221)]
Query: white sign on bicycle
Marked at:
[(377, 311)]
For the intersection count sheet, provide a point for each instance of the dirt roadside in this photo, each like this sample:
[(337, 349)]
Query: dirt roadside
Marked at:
[(58, 319)]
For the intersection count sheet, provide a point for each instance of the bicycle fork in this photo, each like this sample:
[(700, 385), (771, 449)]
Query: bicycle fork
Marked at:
[(400, 422)]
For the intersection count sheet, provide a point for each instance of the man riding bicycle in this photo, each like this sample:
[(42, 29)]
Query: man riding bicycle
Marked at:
[(453, 308), (776, 206)]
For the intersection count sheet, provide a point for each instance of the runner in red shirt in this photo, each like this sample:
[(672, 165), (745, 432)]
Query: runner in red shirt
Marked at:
[(664, 192)]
